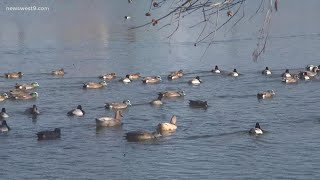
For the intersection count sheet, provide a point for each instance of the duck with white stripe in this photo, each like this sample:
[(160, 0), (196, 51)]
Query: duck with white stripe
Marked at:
[(266, 71), (216, 70), (286, 74), (126, 79), (158, 101), (256, 130), (3, 113), (234, 73), (4, 126), (195, 81), (304, 75), (77, 112)]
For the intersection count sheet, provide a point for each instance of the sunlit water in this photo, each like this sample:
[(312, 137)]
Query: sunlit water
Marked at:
[(89, 39)]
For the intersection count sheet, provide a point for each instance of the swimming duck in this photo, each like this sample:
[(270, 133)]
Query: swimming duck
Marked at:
[(13, 75), (151, 79), (142, 135), (195, 81), (134, 76), (33, 111), (32, 95), (266, 71), (109, 76), (127, 17), (18, 92), (313, 72), (175, 74), (59, 72), (303, 75), (126, 79), (118, 105), (266, 94), (3, 113), (3, 97), (157, 101), (290, 80), (216, 70), (286, 74), (256, 130), (77, 112), (33, 85), (234, 73), (171, 126), (4, 126), (109, 121), (49, 135), (198, 103), (95, 85), (173, 93), (310, 67)]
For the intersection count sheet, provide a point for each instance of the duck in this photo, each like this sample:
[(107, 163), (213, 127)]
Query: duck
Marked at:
[(126, 79), (234, 73), (151, 79), (157, 101), (49, 135), (32, 85), (18, 92), (313, 72), (118, 105), (286, 74), (266, 94), (109, 76), (134, 76), (4, 126), (173, 93), (175, 74), (3, 97), (290, 80), (127, 17), (13, 75), (170, 126), (195, 81), (256, 130), (3, 113), (304, 75), (216, 70), (95, 85), (198, 103), (22, 96), (266, 71), (77, 112), (110, 121), (142, 135), (33, 111), (59, 72), (310, 67)]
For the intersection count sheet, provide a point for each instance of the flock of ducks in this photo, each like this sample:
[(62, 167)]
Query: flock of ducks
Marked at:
[(22, 92)]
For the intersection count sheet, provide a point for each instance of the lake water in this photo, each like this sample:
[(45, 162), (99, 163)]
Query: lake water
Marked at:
[(89, 38)]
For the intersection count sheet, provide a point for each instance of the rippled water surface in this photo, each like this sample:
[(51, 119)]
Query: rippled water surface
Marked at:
[(89, 38)]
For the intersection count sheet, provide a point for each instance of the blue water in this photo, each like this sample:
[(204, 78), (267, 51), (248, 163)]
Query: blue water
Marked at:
[(88, 39)]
